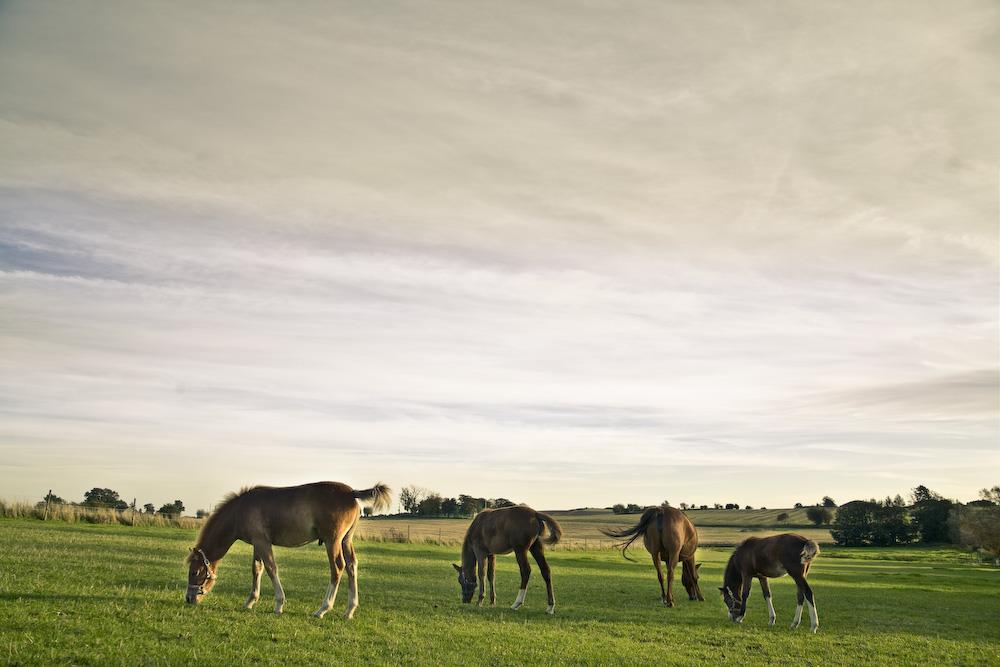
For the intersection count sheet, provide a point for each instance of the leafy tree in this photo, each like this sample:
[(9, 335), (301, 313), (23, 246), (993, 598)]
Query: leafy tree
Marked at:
[(171, 509), (367, 511), (56, 500), (891, 524), (149, 508), (783, 517), (748, 507), (618, 508), (98, 497), (732, 506), (666, 503), (201, 514), (703, 507), (828, 502), (469, 505), (632, 508), (449, 507), (921, 493), (717, 506), (798, 506), (991, 495), (684, 506), (410, 497), (503, 502), (819, 515), (430, 506), (978, 528), (931, 519), (855, 523)]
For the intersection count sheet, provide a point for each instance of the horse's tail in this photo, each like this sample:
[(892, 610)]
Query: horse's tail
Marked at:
[(379, 497), (555, 530), (630, 535), (809, 551)]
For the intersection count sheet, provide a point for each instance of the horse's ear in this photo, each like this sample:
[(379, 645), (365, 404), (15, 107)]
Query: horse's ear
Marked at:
[(457, 568)]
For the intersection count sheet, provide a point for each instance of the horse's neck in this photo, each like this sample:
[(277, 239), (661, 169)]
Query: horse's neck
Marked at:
[(219, 535), (468, 557)]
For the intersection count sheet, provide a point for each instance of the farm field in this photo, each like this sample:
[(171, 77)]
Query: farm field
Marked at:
[(105, 594), (581, 528)]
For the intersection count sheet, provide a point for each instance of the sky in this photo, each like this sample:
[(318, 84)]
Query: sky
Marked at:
[(570, 254)]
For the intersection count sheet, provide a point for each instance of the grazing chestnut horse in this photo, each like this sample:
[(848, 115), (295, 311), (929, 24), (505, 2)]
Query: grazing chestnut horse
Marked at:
[(668, 535), (289, 517), (500, 531), (764, 557)]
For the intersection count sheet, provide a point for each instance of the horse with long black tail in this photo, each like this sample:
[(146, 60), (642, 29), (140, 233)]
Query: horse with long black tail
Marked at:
[(668, 535)]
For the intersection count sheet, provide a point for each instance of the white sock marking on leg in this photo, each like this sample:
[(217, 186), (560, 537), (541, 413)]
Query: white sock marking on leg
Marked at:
[(520, 598)]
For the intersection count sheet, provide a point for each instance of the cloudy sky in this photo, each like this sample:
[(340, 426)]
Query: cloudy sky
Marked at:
[(565, 253)]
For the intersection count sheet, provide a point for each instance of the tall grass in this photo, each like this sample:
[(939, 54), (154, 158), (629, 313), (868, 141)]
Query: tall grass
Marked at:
[(80, 514)]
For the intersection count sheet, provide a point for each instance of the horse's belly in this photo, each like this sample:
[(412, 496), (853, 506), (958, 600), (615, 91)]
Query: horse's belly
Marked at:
[(774, 572)]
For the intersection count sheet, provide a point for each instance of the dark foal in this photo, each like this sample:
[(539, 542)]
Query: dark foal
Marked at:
[(766, 557), (500, 531)]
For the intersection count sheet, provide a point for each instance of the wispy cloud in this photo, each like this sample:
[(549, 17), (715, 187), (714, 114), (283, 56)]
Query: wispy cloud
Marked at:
[(364, 242)]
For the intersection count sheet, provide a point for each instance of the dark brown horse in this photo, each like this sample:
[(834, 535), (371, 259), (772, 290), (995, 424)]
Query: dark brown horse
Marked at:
[(764, 557), (518, 529), (668, 535), (289, 517)]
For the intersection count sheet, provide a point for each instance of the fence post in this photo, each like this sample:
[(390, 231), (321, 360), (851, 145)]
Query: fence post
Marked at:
[(48, 498), (133, 511)]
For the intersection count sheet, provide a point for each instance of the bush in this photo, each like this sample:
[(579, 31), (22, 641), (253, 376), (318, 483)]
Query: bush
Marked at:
[(977, 528), (783, 516)]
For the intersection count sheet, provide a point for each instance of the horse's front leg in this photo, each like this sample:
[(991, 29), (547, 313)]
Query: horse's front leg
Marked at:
[(267, 556), (335, 555), (744, 596), (481, 576), (256, 571), (765, 588)]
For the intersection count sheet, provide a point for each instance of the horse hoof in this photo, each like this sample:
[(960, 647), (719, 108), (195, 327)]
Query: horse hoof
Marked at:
[(814, 629), (516, 606), (551, 610)]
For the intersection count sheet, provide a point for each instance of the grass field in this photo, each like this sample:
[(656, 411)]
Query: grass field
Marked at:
[(101, 594), (582, 528)]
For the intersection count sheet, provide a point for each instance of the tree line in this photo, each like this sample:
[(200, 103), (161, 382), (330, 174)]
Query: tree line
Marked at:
[(101, 498), (418, 501), (928, 518)]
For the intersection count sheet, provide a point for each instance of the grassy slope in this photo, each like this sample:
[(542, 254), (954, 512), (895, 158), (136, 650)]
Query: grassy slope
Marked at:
[(88, 594)]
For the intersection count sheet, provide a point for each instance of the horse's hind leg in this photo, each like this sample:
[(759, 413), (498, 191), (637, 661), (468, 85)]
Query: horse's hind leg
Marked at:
[(538, 551), (334, 553), (672, 560), (658, 564), (267, 556), (522, 562), (256, 571), (352, 575)]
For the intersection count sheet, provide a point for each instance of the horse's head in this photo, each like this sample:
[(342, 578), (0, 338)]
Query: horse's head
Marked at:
[(690, 581), (468, 585), (733, 603), (201, 576)]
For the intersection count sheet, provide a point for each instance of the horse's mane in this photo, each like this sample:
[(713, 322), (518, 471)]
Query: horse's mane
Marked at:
[(222, 509)]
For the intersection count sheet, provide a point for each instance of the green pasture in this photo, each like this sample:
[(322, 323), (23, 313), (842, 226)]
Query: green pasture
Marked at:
[(101, 594)]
